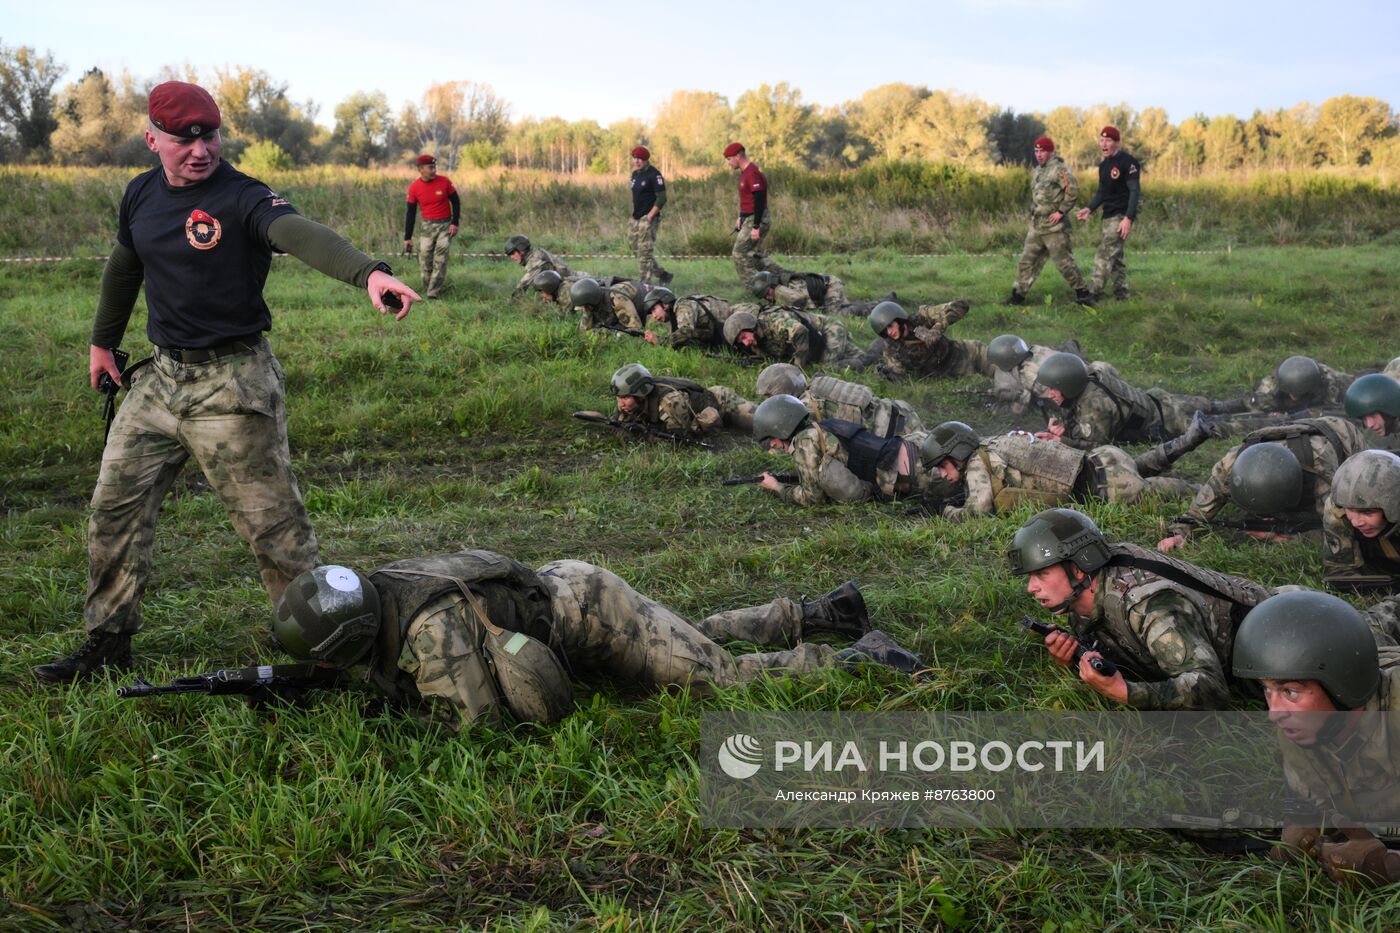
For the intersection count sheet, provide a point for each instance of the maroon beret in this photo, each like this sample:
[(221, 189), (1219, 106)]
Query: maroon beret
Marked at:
[(641, 152), (1111, 132), (733, 149), (1046, 143), (183, 109), (426, 159)]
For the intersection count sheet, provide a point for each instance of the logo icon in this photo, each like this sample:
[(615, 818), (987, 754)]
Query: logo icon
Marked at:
[(202, 230), (1113, 172), (740, 756)]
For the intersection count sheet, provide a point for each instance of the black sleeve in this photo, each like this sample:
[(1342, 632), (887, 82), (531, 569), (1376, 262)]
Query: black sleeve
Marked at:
[(1134, 190), (1097, 199), (409, 217), (760, 204), (121, 283), (322, 249), (456, 208)]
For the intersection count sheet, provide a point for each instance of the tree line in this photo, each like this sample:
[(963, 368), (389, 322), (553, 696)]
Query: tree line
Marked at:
[(98, 119)]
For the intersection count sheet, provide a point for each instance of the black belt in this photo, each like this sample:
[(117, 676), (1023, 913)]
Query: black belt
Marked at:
[(207, 354)]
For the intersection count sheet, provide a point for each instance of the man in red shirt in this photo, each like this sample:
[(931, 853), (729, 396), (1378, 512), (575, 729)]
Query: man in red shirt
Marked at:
[(441, 211), (753, 222)]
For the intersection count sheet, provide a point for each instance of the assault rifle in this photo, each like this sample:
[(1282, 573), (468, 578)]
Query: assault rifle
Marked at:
[(639, 428), (933, 505), (1240, 831), (1361, 583), (786, 477), (735, 358), (1293, 525), (619, 329), (261, 685), (1100, 664)]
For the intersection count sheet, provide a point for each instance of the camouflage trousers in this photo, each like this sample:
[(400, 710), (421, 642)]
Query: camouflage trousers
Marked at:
[(433, 245), (1053, 243), (735, 410), (1109, 266), (945, 358), (641, 238), (229, 414), (1121, 478), (749, 258), (603, 625)]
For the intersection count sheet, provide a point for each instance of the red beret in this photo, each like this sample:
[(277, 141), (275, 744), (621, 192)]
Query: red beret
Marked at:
[(426, 159), (641, 152), (183, 109), (1111, 132), (1046, 143), (733, 149)]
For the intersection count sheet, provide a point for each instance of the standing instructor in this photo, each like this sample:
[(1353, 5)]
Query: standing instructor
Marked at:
[(753, 222), (648, 198), (1118, 191), (199, 235), (442, 209)]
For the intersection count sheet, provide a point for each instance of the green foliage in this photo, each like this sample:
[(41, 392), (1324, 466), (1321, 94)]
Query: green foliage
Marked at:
[(451, 429), (264, 158)]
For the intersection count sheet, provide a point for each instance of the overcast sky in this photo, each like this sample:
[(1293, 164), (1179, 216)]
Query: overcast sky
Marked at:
[(607, 60)]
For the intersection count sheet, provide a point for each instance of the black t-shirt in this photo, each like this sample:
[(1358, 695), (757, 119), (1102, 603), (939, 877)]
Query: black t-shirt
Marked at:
[(205, 253), (646, 181), (1114, 175)]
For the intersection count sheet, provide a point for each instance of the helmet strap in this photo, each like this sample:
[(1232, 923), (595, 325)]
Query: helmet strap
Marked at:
[(1076, 587)]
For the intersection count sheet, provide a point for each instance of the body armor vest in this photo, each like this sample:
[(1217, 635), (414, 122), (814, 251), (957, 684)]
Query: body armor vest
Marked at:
[(696, 396), (866, 451), (1142, 416)]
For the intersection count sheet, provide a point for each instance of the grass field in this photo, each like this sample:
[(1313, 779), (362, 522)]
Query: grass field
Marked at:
[(450, 430)]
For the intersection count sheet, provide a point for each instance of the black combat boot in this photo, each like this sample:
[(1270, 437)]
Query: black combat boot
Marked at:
[(878, 648), (840, 612), (1234, 406), (1160, 458), (1120, 294), (102, 650), (1083, 296), (1016, 298), (665, 278)]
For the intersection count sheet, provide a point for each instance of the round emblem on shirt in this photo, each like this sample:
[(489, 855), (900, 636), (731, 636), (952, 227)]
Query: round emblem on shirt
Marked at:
[(202, 230), (1113, 172)]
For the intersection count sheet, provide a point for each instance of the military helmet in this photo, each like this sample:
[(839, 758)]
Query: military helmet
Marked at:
[(632, 379), (1306, 635), (760, 283), (547, 281), (517, 244), (781, 416), (1369, 480), (1054, 536), (781, 379), (1373, 393), (951, 439), (737, 323), (884, 314), (1299, 376), (1007, 352), (329, 613), (1064, 372), (586, 292), (1266, 479), (658, 295)]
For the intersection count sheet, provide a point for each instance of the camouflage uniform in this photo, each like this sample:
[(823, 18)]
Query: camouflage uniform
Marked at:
[(926, 352), (829, 397), (538, 260), (793, 290), (783, 336), (434, 243), (641, 238), (1360, 777), (1344, 552), (1267, 396), (561, 300), (1109, 265), (1110, 410), (229, 414), (595, 622), (1053, 189), (1384, 620), (1392, 369), (1015, 389), (699, 320), (748, 254), (822, 472), (1319, 463), (620, 310), (673, 409), (1013, 469), (1171, 642)]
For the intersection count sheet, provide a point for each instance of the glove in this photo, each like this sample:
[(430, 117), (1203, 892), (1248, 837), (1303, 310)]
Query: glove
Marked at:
[(1296, 843), (708, 419), (1362, 857)]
